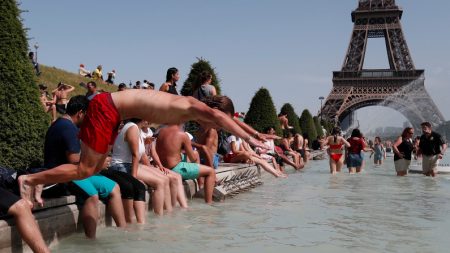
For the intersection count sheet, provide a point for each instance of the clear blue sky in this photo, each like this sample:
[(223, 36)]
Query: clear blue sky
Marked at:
[(290, 47)]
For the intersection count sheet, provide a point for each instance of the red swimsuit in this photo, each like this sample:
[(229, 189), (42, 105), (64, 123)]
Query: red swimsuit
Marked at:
[(335, 156)]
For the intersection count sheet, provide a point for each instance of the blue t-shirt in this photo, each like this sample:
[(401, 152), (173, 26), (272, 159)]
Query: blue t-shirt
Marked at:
[(61, 137)]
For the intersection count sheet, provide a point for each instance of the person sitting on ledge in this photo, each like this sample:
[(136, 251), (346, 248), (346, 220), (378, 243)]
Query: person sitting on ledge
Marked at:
[(62, 146), (20, 210), (128, 152), (285, 145), (170, 144), (236, 153), (101, 123)]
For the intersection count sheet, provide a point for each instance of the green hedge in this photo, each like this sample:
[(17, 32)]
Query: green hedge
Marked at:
[(262, 112), (308, 126), (196, 69), (23, 121)]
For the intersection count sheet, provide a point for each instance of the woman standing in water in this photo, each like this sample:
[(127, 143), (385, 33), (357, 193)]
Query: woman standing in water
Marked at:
[(378, 151), (355, 157), (336, 143), (403, 148)]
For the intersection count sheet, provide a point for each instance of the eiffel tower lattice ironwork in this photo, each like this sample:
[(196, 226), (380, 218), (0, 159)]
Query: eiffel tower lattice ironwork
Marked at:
[(401, 87)]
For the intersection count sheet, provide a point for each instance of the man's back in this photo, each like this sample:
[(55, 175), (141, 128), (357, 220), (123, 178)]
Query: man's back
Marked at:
[(169, 145)]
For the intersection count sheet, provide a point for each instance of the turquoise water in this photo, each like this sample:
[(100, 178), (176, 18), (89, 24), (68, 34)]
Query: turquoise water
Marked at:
[(311, 211)]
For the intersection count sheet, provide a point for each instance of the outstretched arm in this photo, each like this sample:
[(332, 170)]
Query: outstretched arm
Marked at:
[(250, 130)]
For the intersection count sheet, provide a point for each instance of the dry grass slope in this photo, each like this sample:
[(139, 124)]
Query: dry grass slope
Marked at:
[(51, 76)]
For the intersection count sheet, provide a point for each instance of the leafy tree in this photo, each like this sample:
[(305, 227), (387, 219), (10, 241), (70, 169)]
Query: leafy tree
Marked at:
[(328, 125), (262, 112), (292, 117), (307, 125), (196, 69), (23, 121), (319, 129)]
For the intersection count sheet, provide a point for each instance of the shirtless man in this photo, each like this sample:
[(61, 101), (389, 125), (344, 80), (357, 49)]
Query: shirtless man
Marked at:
[(170, 144), (284, 122), (103, 117), (62, 96)]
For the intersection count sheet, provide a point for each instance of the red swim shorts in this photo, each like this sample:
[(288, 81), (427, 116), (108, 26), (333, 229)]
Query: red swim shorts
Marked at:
[(101, 124), (228, 157)]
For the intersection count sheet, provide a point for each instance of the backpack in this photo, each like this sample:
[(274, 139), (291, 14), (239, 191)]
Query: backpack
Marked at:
[(222, 146)]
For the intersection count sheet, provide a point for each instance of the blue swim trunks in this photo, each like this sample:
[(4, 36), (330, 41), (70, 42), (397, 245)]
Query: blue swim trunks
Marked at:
[(96, 185), (216, 159), (187, 170)]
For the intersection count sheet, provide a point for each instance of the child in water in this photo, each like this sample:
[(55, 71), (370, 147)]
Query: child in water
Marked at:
[(379, 151)]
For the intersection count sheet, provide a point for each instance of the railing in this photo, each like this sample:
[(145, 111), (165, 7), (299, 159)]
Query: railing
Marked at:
[(377, 74)]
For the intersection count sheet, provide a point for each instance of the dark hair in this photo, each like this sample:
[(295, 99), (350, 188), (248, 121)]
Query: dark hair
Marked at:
[(151, 84), (356, 133), (170, 72), (31, 54), (42, 86), (76, 104), (305, 136), (92, 83), (406, 131), (204, 76), (426, 124), (133, 120), (378, 138), (122, 85), (335, 132), (222, 103), (287, 133), (267, 129)]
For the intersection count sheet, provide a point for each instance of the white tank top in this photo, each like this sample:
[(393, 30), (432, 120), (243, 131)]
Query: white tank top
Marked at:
[(121, 149)]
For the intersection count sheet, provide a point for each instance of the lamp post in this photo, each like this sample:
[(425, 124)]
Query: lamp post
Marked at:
[(321, 99), (36, 46)]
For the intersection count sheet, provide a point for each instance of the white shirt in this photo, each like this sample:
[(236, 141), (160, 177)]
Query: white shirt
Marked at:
[(234, 139), (145, 135), (121, 150)]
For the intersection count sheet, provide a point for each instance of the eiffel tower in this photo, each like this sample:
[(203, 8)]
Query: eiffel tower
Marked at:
[(401, 87)]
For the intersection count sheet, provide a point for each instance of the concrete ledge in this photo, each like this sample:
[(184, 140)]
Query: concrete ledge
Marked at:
[(60, 217)]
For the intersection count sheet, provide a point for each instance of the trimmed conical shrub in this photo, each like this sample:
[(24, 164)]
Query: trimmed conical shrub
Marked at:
[(319, 129), (292, 117), (196, 69), (307, 125), (23, 121), (262, 112)]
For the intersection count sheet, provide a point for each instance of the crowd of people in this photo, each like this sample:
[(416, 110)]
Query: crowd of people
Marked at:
[(102, 148), (85, 154), (430, 147)]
